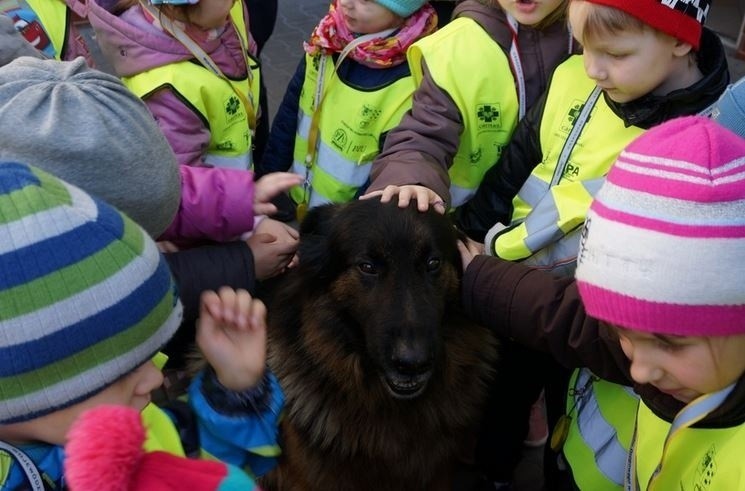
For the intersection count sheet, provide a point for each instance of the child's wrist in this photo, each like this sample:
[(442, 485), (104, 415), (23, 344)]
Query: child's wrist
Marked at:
[(237, 380), (229, 401)]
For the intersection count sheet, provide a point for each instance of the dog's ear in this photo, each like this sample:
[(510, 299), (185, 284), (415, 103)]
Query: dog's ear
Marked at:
[(315, 230)]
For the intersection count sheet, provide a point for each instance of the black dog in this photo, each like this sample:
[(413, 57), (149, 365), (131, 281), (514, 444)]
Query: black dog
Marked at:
[(384, 379)]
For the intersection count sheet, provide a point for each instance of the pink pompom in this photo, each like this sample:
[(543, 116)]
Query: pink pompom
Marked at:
[(103, 450)]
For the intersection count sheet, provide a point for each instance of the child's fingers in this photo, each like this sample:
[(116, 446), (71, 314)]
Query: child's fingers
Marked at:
[(372, 194), (210, 305), (242, 308), (228, 300), (274, 183), (257, 314)]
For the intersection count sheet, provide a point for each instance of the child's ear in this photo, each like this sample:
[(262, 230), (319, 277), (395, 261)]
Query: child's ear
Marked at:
[(682, 48)]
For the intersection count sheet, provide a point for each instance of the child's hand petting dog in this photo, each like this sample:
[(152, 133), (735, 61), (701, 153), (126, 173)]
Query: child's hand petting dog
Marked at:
[(423, 196), (231, 333), (469, 249)]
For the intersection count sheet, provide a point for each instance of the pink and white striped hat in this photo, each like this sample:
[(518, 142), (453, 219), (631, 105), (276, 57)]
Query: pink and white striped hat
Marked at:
[(663, 249)]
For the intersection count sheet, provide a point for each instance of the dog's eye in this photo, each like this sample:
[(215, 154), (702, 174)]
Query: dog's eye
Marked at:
[(433, 264), (367, 268)]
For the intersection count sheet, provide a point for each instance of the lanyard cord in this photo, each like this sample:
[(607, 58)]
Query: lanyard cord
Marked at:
[(694, 412), (206, 61), (29, 468), (571, 140), (517, 66)]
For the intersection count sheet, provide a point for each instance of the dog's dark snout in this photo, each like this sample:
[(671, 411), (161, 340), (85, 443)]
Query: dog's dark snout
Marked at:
[(411, 360)]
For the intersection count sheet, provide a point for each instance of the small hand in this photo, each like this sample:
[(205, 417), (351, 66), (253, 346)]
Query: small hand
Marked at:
[(269, 186), (231, 333), (166, 246), (273, 245), (423, 196), (468, 250)]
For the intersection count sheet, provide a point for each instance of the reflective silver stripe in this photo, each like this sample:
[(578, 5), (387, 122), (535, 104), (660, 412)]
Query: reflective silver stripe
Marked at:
[(242, 162), (303, 125), (541, 224), (459, 195), (340, 168), (316, 198), (533, 190), (299, 168), (560, 258), (599, 435)]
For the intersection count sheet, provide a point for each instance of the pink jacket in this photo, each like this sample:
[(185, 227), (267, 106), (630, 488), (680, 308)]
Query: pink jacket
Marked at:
[(216, 203)]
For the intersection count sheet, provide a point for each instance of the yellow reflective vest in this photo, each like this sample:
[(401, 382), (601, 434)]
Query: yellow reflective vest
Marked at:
[(547, 218), (486, 99), (214, 98), (696, 459), (350, 125), (602, 426)]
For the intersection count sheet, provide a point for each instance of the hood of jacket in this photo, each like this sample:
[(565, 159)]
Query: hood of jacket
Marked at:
[(133, 44), (650, 110)]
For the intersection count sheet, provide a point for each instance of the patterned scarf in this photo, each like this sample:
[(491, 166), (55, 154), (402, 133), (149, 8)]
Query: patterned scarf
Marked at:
[(332, 35)]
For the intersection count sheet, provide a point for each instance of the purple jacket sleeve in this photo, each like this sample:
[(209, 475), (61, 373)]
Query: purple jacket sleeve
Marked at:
[(216, 203), (184, 129)]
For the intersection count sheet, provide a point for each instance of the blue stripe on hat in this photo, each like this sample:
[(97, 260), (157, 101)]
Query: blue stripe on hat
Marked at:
[(84, 334), (22, 177), (42, 258)]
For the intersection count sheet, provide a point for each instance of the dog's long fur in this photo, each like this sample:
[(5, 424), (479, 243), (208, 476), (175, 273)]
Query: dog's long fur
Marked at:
[(383, 377)]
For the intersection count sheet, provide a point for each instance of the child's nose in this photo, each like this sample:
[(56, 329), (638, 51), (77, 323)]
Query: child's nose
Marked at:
[(643, 369), (593, 67)]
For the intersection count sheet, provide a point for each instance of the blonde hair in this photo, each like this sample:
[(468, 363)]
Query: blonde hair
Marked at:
[(600, 20)]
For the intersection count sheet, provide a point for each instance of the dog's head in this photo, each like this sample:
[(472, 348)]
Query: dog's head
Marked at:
[(389, 274)]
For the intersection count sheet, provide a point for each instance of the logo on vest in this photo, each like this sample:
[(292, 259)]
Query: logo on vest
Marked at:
[(340, 139), (232, 109), (490, 117), (568, 123), (706, 470), (475, 156), (367, 115)]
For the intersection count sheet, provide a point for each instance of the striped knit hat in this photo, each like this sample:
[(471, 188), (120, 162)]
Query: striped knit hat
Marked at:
[(681, 19), (85, 296), (663, 249)]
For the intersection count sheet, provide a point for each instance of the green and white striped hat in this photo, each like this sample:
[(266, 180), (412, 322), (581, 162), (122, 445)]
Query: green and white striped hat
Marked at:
[(85, 296)]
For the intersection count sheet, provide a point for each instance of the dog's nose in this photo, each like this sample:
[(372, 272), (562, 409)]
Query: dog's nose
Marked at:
[(411, 360)]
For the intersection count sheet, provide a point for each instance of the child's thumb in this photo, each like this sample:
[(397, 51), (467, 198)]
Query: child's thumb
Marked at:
[(266, 238)]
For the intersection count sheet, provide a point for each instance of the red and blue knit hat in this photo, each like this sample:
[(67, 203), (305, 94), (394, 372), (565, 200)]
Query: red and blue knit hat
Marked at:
[(663, 249), (681, 19), (85, 295)]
